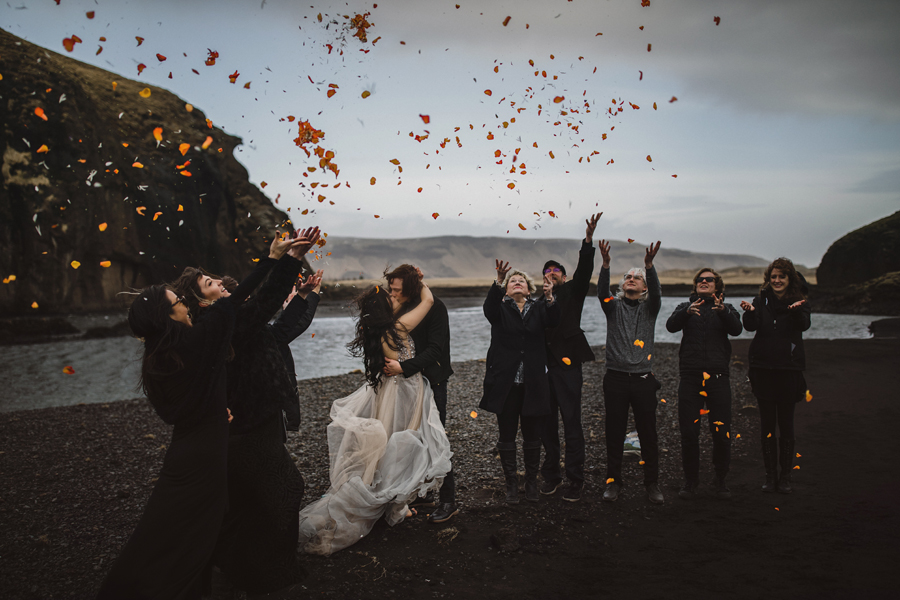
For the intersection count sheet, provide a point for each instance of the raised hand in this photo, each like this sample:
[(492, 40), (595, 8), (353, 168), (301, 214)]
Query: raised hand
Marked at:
[(280, 245), (304, 241), (502, 270), (694, 308), (797, 304), (591, 226), (312, 282), (290, 297), (604, 252), (747, 306), (421, 275), (717, 302), (548, 288), (651, 254)]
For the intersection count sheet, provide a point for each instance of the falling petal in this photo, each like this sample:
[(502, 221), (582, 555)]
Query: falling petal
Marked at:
[(705, 375), (157, 134), (473, 414), (511, 185), (40, 112), (75, 264), (43, 149), (34, 305), (141, 68), (372, 181), (366, 94), (796, 467), (703, 394), (156, 215), (808, 396), (487, 92), (639, 343), (137, 165), (144, 93), (610, 480), (207, 142), (183, 148), (160, 57), (768, 436), (649, 159), (139, 39), (105, 264), (566, 360), (433, 215), (140, 210), (102, 227), (663, 400), (630, 241), (522, 227), (68, 370)]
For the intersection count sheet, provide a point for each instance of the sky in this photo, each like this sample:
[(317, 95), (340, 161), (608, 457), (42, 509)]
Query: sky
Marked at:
[(781, 122)]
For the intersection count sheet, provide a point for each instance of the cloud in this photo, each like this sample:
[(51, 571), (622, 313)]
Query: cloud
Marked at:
[(886, 182)]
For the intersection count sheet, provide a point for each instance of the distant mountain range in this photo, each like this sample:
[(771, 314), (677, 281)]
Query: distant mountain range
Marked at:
[(473, 257)]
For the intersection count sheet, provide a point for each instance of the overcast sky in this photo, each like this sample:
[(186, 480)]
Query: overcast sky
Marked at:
[(784, 136)]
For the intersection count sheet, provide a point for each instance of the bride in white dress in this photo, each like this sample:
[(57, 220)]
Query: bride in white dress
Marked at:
[(386, 443)]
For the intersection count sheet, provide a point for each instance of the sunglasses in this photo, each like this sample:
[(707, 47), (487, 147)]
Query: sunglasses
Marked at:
[(706, 280), (552, 270)]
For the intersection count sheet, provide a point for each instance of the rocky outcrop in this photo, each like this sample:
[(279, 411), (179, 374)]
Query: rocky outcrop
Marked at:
[(878, 296), (88, 183), (861, 255)]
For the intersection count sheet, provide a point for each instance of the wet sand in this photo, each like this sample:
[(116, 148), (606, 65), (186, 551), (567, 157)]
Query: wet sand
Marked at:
[(75, 479)]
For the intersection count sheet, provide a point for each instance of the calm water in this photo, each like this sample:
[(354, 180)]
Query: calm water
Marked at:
[(106, 370)]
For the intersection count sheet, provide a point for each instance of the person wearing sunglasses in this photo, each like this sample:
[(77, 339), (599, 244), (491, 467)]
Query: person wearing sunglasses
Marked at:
[(629, 382), (704, 358), (567, 349)]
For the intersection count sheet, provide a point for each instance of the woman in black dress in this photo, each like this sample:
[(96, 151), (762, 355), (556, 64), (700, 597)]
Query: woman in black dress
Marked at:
[(515, 382), (257, 548), (183, 375), (779, 316)]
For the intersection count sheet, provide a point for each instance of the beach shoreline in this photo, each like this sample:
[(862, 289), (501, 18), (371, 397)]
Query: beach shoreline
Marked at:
[(76, 480)]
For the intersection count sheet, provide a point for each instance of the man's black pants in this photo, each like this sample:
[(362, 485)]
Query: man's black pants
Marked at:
[(637, 390), (448, 489), (565, 400)]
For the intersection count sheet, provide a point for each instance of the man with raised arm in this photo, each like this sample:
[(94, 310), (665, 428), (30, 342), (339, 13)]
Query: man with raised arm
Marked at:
[(567, 349), (630, 323), (432, 359)]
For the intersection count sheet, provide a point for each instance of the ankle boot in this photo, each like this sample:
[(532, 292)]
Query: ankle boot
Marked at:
[(532, 452), (770, 459), (508, 462), (786, 458)]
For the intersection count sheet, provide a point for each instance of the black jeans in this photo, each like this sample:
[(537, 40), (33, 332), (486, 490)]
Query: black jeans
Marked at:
[(565, 400), (621, 390), (777, 392), (690, 403), (508, 420), (448, 489)]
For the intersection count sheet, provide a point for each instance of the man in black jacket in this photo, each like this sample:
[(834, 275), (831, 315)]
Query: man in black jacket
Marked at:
[(432, 359), (567, 349)]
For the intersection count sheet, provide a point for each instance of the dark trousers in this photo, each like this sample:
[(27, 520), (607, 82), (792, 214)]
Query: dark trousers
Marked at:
[(448, 488), (777, 392), (565, 400), (621, 390), (690, 403), (508, 419)]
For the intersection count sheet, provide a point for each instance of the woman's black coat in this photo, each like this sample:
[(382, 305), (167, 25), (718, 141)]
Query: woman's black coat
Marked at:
[(513, 340), (704, 344), (778, 343)]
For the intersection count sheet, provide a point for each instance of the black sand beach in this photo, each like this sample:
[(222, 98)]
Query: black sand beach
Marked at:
[(75, 480)]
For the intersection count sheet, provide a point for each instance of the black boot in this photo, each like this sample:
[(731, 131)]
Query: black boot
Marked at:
[(532, 452), (507, 452), (770, 459), (786, 458)]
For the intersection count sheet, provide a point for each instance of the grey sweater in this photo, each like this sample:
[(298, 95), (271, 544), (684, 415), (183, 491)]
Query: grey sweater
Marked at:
[(630, 321)]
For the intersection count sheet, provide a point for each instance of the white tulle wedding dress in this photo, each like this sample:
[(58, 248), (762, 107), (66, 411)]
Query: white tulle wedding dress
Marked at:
[(385, 448)]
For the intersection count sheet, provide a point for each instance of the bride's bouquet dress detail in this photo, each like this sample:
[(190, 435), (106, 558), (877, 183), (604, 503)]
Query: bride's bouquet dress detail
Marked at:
[(385, 448)]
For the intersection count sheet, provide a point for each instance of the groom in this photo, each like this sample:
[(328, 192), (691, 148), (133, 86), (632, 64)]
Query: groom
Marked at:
[(432, 359)]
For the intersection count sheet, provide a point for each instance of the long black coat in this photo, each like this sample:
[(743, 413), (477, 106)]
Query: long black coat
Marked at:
[(432, 340), (567, 339), (515, 339), (294, 320), (778, 343), (704, 344)]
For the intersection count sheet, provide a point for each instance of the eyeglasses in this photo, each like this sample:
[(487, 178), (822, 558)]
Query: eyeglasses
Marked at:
[(552, 270), (706, 280), (179, 300), (635, 277)]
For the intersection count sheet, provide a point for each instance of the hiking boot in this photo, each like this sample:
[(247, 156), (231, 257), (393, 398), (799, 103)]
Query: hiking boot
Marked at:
[(548, 488), (573, 492), (654, 494), (444, 512)]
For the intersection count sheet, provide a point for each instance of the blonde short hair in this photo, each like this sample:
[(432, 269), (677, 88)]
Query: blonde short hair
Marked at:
[(532, 288)]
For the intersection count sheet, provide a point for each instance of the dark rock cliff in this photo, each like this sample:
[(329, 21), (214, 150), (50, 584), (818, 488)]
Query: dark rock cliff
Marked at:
[(861, 255), (54, 200)]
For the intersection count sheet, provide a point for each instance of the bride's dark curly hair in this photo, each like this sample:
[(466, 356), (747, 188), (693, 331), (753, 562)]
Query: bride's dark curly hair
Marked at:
[(376, 324)]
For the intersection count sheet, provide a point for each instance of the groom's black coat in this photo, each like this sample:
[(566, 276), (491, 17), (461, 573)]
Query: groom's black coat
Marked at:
[(432, 340)]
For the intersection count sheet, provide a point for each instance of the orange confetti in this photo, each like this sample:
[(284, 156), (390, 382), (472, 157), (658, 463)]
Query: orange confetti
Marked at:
[(796, 467), (522, 227), (703, 394), (559, 99), (377, 216), (649, 159), (157, 134), (511, 185), (233, 77), (705, 375), (640, 462), (473, 414), (372, 181), (102, 226), (115, 84), (139, 39), (189, 107), (69, 42), (737, 436), (331, 93), (207, 142), (211, 57), (674, 99), (156, 215), (140, 210), (808, 396), (718, 423), (137, 165), (778, 509), (768, 436), (209, 123), (607, 299), (43, 149), (185, 173), (425, 119), (183, 148), (40, 112), (566, 360), (728, 434), (648, 356), (105, 264), (630, 241), (487, 92), (506, 21), (75, 264), (366, 94), (551, 154), (648, 47), (610, 480), (90, 14), (639, 343), (180, 208), (717, 20), (663, 400), (68, 370), (263, 184), (34, 305), (144, 93), (433, 215), (141, 67)]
